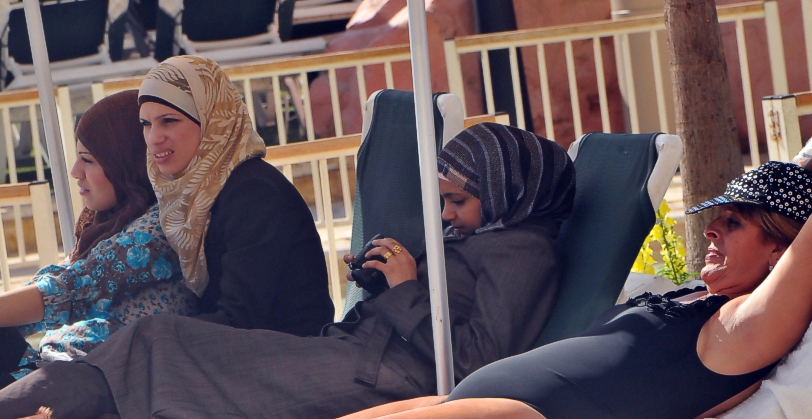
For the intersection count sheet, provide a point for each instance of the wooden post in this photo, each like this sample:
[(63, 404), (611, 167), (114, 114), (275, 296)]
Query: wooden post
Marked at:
[(783, 128), (704, 113)]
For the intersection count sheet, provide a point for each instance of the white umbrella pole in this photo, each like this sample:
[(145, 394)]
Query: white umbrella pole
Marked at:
[(435, 256), (53, 138)]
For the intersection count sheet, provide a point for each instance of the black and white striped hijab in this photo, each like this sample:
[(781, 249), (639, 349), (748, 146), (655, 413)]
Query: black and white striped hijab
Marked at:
[(514, 173)]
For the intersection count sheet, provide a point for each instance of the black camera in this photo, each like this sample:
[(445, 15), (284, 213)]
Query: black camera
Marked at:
[(372, 280)]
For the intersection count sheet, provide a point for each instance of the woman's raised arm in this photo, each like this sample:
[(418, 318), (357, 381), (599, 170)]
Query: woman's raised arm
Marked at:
[(758, 329)]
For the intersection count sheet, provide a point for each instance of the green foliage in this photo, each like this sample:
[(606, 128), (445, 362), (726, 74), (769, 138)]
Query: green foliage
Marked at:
[(672, 250)]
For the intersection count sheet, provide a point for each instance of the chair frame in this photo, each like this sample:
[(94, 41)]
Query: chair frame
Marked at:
[(669, 152), (264, 45), (76, 70), (451, 110), (565, 322)]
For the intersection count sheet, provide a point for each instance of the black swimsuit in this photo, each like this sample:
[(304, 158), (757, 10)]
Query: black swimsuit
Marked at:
[(637, 360)]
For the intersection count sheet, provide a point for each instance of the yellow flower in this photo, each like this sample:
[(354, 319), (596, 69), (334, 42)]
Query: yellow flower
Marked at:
[(672, 249), (657, 233), (663, 210)]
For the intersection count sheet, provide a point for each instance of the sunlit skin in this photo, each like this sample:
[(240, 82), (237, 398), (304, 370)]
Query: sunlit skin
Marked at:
[(461, 209), (737, 262), (739, 255), (172, 138), (96, 190)]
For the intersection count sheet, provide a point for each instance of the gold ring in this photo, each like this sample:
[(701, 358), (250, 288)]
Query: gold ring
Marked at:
[(387, 255), (397, 249)]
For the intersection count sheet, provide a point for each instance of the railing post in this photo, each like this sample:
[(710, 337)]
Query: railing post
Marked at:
[(806, 10), (782, 127), (42, 213), (454, 70), (775, 44), (11, 162), (4, 270), (248, 94), (65, 116), (515, 75), (97, 91), (332, 253), (655, 112)]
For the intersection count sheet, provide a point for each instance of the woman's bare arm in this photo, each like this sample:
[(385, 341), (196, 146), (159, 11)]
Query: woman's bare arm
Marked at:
[(755, 330), (21, 306), (731, 402)]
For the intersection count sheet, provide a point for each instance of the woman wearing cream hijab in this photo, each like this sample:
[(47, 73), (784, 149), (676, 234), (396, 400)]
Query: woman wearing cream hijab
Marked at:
[(245, 238)]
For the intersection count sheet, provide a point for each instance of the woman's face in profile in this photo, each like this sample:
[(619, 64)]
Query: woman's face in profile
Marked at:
[(461, 209), (96, 190), (172, 138), (738, 256)]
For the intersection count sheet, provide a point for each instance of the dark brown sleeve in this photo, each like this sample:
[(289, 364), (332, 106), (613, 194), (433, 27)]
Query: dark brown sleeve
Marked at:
[(517, 277)]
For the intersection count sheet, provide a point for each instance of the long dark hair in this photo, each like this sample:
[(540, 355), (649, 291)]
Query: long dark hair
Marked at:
[(112, 133)]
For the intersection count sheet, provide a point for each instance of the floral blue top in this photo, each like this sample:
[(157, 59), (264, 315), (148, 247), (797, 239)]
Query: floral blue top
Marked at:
[(132, 274)]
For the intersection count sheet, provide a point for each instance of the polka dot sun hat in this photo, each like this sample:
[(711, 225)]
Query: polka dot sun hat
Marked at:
[(785, 188)]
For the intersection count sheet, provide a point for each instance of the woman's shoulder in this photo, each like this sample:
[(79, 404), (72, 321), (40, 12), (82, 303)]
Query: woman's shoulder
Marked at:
[(252, 170), (525, 240), (144, 231), (256, 183), (257, 176), (148, 223), (529, 232)]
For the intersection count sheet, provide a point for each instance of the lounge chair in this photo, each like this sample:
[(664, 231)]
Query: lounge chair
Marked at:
[(84, 40), (228, 31), (391, 204), (620, 181)]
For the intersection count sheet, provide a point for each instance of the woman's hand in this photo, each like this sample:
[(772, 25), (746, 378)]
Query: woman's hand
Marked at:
[(348, 258), (400, 266)]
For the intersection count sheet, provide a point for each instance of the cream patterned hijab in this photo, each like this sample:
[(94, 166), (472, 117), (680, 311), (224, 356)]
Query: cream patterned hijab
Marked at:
[(228, 139)]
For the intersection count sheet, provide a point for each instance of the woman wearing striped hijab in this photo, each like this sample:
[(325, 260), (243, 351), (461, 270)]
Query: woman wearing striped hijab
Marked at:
[(506, 192), (494, 177)]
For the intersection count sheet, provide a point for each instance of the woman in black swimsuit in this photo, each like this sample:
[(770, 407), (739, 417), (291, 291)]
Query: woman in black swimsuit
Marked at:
[(686, 354)]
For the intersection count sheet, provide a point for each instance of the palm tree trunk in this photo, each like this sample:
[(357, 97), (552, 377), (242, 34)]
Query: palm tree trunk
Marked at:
[(704, 113)]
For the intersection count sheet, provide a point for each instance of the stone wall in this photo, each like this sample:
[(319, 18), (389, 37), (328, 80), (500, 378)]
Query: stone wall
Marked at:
[(760, 74), (384, 22), (539, 14)]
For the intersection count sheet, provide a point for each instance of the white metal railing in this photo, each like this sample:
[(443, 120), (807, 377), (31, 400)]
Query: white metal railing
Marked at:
[(621, 30), (17, 108), (38, 196), (806, 11), (319, 152), (292, 72), (781, 121)]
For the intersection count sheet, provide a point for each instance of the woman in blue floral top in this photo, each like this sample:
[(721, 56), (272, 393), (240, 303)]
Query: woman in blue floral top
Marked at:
[(122, 267)]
